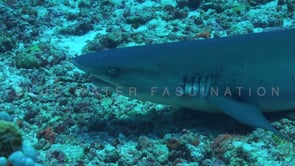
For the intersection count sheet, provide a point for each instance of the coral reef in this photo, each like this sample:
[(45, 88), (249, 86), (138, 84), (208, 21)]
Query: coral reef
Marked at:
[(38, 55)]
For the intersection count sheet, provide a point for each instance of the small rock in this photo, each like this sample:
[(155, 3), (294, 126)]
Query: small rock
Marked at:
[(217, 162), (5, 116), (7, 42), (192, 4)]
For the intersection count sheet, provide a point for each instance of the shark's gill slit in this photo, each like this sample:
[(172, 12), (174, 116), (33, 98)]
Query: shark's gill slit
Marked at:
[(196, 86)]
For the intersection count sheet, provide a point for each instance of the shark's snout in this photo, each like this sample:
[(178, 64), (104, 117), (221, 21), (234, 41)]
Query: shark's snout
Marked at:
[(80, 62), (75, 62)]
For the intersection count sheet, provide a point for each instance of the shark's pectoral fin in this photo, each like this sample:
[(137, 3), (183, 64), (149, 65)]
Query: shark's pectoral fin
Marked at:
[(246, 113)]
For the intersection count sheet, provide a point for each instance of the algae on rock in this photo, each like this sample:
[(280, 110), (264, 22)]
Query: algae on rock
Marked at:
[(10, 138)]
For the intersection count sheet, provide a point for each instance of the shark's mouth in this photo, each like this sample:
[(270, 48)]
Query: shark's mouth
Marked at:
[(101, 82), (98, 80)]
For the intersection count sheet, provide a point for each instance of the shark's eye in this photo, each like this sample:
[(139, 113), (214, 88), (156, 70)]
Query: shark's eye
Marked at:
[(113, 71)]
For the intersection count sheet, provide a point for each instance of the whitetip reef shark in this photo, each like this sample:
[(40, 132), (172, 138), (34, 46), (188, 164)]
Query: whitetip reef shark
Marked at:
[(241, 76)]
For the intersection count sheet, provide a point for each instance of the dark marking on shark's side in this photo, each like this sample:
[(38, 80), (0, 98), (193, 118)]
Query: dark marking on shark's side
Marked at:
[(241, 76)]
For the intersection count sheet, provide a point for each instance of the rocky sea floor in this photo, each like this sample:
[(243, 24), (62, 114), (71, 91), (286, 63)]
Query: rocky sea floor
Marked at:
[(50, 106)]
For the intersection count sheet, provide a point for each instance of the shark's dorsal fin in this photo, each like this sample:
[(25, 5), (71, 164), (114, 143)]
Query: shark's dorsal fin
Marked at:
[(245, 113)]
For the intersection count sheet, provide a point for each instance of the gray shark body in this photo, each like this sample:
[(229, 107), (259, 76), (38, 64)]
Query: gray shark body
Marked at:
[(241, 76)]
